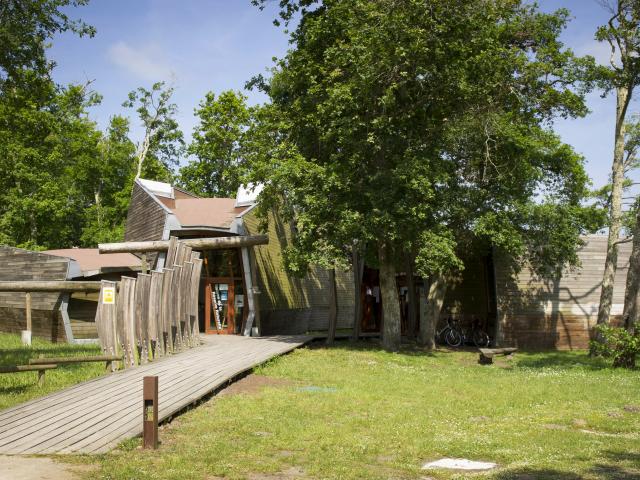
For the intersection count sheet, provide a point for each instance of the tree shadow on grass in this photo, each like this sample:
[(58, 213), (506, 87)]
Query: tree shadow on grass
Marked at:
[(14, 390), (373, 345), (20, 356), (536, 474), (562, 360), (622, 466)]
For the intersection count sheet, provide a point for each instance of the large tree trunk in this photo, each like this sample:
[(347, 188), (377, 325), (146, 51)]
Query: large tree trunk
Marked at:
[(390, 303), (429, 319), (413, 301), (358, 268), (333, 307), (615, 211), (632, 293)]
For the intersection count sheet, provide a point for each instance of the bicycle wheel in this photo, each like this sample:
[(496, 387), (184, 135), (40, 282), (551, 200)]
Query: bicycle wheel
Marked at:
[(480, 338), (453, 338)]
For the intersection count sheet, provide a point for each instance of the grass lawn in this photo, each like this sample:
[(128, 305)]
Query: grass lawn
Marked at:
[(358, 412), (19, 387)]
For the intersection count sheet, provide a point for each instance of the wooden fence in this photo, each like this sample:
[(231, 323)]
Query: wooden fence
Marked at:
[(155, 314)]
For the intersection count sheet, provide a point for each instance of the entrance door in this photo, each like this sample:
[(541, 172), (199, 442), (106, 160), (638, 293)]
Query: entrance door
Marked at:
[(220, 311)]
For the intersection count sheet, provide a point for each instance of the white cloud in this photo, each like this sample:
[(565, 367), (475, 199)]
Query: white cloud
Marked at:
[(146, 62), (601, 51)]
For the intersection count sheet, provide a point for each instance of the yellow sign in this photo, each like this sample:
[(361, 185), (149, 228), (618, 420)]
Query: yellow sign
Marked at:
[(109, 295)]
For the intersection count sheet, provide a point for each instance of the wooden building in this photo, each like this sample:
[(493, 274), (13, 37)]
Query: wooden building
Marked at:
[(57, 316), (249, 286), (516, 307)]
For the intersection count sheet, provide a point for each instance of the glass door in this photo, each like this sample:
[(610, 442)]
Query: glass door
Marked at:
[(220, 308)]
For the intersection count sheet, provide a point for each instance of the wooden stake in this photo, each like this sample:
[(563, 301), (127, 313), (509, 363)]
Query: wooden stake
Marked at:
[(27, 307)]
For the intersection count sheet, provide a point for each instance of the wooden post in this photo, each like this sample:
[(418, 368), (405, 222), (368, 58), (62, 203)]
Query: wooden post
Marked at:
[(150, 412), (40, 372), (144, 265), (333, 307), (26, 338)]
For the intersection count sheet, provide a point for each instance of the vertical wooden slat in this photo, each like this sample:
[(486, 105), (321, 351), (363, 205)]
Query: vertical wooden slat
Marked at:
[(179, 258), (167, 283), (177, 305), (171, 252), (185, 287), (195, 295), (126, 319), (106, 314), (154, 327), (143, 284)]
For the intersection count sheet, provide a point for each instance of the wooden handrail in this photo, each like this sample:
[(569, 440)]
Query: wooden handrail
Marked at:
[(95, 358), (49, 286), (25, 368)]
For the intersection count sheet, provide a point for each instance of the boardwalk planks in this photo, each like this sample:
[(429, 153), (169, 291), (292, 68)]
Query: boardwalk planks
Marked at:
[(95, 416)]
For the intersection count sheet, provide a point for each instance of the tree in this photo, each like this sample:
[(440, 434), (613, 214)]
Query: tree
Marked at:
[(62, 182), (622, 34), (216, 146), (162, 144), (45, 137), (632, 293), (25, 28), (406, 126), (107, 180)]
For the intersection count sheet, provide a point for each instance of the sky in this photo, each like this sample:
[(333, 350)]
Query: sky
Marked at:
[(213, 45)]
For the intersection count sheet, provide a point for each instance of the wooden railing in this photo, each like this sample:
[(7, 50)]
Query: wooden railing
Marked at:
[(155, 314)]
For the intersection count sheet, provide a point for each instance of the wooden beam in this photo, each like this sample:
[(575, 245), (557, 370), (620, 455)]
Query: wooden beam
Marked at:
[(25, 368), (213, 243), (49, 286), (57, 360)]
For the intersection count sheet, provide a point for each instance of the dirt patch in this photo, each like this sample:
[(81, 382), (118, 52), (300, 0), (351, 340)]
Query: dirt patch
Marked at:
[(632, 408), (253, 384), (13, 467)]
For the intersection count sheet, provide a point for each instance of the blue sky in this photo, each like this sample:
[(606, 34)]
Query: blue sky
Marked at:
[(203, 45)]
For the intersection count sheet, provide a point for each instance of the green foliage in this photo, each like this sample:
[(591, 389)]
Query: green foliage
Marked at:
[(618, 344), (216, 145), (108, 181), (25, 28), (405, 122), (159, 151), (622, 35), (63, 182)]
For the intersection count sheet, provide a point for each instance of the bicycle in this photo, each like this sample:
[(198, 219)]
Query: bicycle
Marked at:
[(449, 334), (473, 334)]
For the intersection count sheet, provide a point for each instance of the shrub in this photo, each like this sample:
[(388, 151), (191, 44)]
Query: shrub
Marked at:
[(617, 343)]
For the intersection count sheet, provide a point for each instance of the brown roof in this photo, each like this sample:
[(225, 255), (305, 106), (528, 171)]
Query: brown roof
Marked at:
[(91, 260), (205, 212)]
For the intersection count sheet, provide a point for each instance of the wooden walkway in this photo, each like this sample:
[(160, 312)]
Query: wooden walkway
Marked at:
[(95, 416)]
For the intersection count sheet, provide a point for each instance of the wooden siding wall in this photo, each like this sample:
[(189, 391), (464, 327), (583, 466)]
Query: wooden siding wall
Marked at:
[(145, 219), (467, 295), (18, 264), (82, 314), (534, 313), (288, 304)]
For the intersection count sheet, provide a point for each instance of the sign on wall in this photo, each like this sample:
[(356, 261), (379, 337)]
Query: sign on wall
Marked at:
[(109, 295)]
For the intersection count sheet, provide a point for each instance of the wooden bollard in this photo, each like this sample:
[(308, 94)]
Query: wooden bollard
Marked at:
[(150, 412)]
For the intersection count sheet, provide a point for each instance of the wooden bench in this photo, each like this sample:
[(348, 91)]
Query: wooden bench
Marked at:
[(487, 354), (29, 368), (109, 359)]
